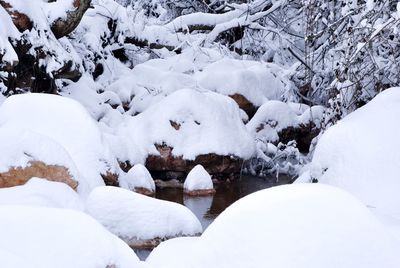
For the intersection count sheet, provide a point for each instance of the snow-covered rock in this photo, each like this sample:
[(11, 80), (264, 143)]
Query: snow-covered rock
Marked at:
[(303, 225), (189, 122), (140, 220), (27, 154), (257, 82), (360, 153), (138, 179), (198, 182), (67, 123), (40, 192), (51, 237)]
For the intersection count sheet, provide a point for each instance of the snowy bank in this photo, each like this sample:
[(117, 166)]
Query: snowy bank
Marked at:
[(50, 237), (139, 220), (304, 226), (360, 154)]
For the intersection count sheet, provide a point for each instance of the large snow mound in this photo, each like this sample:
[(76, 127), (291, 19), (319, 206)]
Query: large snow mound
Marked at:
[(67, 238), (192, 123), (302, 225), (66, 122), (198, 179), (256, 81), (134, 216), (40, 192), (360, 154)]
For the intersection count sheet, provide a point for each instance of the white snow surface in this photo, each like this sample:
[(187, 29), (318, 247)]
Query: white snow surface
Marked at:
[(360, 153), (302, 225), (137, 176), (198, 179), (273, 116), (19, 147), (7, 30), (52, 237), (134, 216), (256, 81), (66, 122), (42, 193), (208, 123)]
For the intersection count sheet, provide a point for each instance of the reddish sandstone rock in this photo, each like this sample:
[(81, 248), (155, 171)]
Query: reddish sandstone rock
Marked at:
[(213, 163), (200, 192), (245, 104), (18, 175)]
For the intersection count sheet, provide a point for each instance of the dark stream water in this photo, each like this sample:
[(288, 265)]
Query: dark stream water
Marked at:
[(208, 208)]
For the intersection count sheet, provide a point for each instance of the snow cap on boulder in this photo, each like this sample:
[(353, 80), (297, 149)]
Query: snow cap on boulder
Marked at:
[(198, 182)]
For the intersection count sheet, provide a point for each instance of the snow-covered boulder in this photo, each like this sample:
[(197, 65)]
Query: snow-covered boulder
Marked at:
[(138, 179), (360, 153), (302, 225), (277, 121), (186, 128), (198, 182), (51, 237), (249, 83), (67, 123), (40, 192), (139, 220), (26, 154)]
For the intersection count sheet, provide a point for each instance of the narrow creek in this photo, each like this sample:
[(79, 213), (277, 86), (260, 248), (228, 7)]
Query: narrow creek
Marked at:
[(208, 208)]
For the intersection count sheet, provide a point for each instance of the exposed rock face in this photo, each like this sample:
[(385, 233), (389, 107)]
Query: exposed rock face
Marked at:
[(245, 104), (213, 163), (144, 191), (200, 192), (302, 134), (19, 176), (110, 179)]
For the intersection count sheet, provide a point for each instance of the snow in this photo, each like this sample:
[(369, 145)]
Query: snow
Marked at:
[(43, 193), (258, 82), (8, 30), (20, 147), (274, 116), (302, 225), (137, 177), (67, 123), (52, 237), (208, 123), (360, 153), (134, 216), (198, 179)]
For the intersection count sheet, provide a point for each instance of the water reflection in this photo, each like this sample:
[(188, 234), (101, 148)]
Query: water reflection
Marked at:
[(200, 206)]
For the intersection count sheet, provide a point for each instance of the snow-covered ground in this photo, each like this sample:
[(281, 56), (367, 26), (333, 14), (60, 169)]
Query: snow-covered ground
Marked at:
[(51, 237), (359, 154), (302, 225)]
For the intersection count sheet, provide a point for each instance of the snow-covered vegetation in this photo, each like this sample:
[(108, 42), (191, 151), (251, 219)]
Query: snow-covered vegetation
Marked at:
[(100, 100)]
